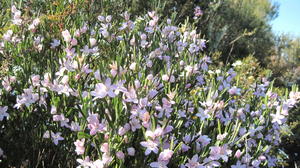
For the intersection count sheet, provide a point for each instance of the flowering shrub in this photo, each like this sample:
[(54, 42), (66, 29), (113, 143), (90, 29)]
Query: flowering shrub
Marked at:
[(139, 92)]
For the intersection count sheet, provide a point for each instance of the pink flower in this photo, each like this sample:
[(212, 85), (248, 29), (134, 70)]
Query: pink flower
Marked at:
[(105, 147), (238, 154), (7, 36), (156, 133), (98, 164), (79, 146), (35, 80), (93, 41), (74, 42), (163, 159), (193, 163), (198, 12), (151, 146), (120, 155), (16, 16), (132, 66), (66, 35), (122, 130), (94, 125), (63, 120), (131, 95), (46, 134), (217, 152), (27, 98), (85, 163), (106, 159), (102, 90), (7, 81), (32, 27), (165, 155)]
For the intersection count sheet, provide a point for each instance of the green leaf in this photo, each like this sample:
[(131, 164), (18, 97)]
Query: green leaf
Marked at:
[(81, 135)]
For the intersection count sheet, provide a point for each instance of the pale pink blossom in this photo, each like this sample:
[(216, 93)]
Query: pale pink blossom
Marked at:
[(94, 124), (74, 42), (92, 41), (7, 36), (120, 155), (16, 16), (104, 147), (165, 155), (35, 23), (79, 146), (193, 163), (102, 90), (163, 159), (35, 80), (86, 163), (98, 164), (217, 152), (132, 66), (238, 154), (131, 95), (66, 35)]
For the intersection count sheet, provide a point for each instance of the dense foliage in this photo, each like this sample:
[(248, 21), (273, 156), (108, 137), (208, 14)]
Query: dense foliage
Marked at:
[(81, 87)]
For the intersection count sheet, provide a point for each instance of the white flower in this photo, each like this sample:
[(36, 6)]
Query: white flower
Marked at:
[(86, 163), (7, 35), (237, 63), (66, 35), (277, 118)]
